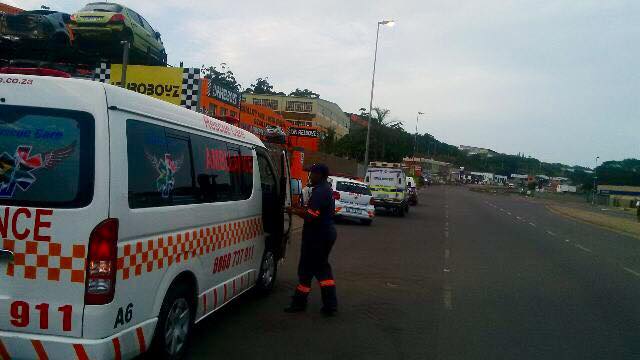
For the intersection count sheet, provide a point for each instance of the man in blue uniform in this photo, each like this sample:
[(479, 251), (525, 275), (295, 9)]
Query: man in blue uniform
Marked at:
[(318, 237)]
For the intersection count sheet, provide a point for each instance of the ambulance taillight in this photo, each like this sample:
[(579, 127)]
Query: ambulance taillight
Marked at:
[(102, 263)]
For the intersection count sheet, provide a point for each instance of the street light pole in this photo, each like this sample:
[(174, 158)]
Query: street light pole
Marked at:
[(125, 61), (415, 140), (595, 183), (373, 83)]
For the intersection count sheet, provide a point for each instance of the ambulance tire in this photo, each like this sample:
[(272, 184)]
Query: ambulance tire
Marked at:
[(180, 294), (400, 211), (268, 272)]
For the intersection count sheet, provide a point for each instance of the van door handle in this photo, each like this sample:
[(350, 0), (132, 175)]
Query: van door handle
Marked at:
[(6, 254)]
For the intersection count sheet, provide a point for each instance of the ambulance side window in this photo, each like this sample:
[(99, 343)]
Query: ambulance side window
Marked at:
[(148, 177), (160, 166)]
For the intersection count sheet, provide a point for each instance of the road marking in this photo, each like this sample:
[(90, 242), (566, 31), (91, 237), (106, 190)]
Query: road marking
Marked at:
[(446, 270), (447, 253), (583, 248), (518, 217), (446, 234), (532, 224), (567, 240), (551, 233), (447, 298), (508, 213), (631, 271)]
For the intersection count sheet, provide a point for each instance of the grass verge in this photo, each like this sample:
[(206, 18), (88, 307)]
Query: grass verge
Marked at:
[(619, 225)]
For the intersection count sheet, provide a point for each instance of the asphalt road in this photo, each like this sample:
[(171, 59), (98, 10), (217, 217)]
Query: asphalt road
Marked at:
[(464, 276)]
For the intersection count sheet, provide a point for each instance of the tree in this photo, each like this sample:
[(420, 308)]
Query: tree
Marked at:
[(262, 87), (328, 141), (223, 76), (305, 93)]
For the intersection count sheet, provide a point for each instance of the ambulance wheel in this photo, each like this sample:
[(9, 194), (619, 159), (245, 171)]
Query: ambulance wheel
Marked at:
[(400, 211), (406, 209), (175, 323), (268, 272)]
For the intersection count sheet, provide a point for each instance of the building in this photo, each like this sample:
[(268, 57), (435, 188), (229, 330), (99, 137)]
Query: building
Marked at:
[(429, 168), (472, 150), (619, 196), (303, 111), (8, 9)]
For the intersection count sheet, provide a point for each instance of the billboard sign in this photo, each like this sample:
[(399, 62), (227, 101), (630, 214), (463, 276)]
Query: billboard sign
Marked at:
[(224, 94), (179, 86), (313, 133)]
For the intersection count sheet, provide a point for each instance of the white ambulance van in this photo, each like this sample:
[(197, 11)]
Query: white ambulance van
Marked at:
[(124, 220)]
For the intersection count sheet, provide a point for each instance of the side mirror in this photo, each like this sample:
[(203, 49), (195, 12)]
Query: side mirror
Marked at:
[(157, 35), (66, 18)]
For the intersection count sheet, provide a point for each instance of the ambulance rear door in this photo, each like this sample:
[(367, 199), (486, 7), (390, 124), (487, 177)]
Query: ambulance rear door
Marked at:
[(52, 195)]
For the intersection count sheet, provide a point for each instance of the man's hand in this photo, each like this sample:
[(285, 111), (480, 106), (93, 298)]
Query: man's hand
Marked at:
[(296, 210)]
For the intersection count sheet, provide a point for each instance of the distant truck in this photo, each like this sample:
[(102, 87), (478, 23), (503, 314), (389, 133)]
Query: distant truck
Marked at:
[(388, 184), (565, 188)]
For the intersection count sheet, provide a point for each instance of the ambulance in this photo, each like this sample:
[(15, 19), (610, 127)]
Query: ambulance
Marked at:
[(388, 184), (125, 220)]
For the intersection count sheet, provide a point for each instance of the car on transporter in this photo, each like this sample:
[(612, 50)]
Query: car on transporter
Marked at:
[(101, 26)]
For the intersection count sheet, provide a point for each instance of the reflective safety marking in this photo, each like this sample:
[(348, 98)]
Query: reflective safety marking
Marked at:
[(204, 303), (314, 213), (141, 342), (225, 293), (303, 289), (4, 354), (117, 355), (215, 298), (146, 256), (80, 352), (37, 346), (329, 282)]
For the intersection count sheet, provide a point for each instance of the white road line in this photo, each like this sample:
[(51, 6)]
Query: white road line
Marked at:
[(447, 253), (508, 213), (631, 271), (583, 248), (532, 224), (518, 217), (567, 240), (447, 298), (551, 233)]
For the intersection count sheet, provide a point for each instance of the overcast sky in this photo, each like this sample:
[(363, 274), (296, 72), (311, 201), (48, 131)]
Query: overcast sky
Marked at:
[(557, 80)]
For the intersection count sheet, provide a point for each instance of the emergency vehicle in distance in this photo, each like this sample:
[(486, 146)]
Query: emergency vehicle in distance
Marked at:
[(388, 184), (353, 199), (126, 219)]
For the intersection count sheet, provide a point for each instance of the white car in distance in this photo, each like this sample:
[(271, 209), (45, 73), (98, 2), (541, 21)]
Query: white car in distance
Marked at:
[(353, 199)]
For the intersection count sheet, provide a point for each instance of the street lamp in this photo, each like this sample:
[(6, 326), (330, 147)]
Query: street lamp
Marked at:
[(595, 179), (415, 140), (389, 23)]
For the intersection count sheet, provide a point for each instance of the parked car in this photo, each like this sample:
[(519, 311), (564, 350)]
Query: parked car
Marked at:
[(35, 35), (101, 23), (412, 191), (353, 199)]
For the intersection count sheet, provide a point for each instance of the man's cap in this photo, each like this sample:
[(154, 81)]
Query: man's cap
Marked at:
[(321, 169)]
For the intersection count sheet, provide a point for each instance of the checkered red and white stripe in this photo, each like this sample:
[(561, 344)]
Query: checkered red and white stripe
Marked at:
[(41, 260), (154, 254)]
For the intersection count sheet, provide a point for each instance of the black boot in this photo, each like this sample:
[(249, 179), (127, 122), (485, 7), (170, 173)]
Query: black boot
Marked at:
[(298, 303), (329, 300)]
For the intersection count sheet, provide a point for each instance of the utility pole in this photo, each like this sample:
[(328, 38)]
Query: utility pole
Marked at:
[(595, 181), (125, 61), (415, 140), (373, 83)]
